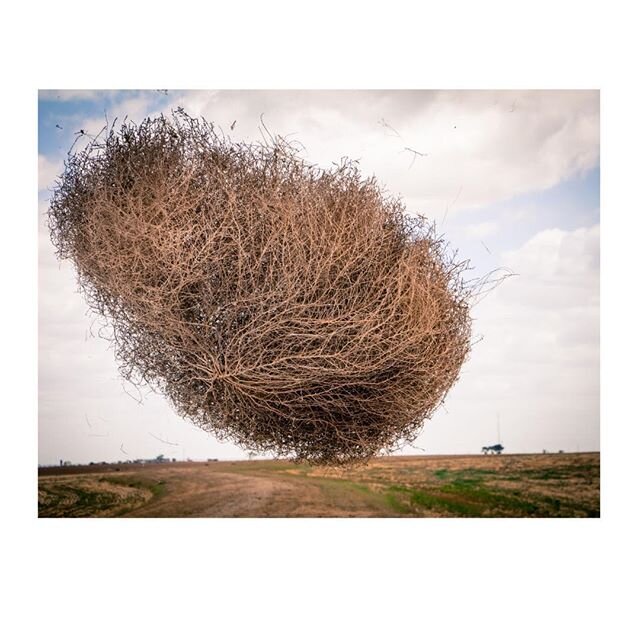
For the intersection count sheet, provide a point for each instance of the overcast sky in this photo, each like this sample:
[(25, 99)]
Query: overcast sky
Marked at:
[(510, 177)]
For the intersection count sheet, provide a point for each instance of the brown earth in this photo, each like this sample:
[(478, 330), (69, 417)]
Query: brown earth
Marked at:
[(537, 485)]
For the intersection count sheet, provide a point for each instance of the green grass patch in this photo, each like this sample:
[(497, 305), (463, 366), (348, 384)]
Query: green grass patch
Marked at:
[(396, 504), (465, 497)]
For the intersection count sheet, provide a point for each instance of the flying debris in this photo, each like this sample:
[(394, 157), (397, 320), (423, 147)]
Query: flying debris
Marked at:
[(93, 434), (173, 444), (415, 155), (451, 205), (383, 123)]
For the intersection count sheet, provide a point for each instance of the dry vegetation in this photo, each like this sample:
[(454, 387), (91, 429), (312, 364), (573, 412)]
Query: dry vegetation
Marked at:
[(291, 309), (552, 485)]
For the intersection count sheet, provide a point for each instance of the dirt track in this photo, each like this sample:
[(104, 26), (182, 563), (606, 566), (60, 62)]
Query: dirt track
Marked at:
[(208, 491), (532, 485)]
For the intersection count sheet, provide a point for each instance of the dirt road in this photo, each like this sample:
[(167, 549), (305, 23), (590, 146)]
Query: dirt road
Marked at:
[(528, 485)]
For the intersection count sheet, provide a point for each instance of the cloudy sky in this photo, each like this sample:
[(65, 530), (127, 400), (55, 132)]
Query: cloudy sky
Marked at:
[(510, 177)]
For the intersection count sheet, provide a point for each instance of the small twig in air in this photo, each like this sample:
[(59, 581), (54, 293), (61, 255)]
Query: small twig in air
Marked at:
[(482, 286), (264, 126), (415, 446), (451, 205), (138, 400), (415, 155), (485, 246), (383, 123), (173, 444), (122, 449)]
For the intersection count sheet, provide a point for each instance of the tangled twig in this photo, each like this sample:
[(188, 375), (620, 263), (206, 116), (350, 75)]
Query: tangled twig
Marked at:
[(291, 309)]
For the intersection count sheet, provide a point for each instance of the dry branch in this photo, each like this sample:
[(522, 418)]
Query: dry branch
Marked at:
[(290, 309)]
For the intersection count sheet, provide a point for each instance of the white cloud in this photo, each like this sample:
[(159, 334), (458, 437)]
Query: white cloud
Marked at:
[(48, 170), (481, 230), (557, 269), (482, 146), (538, 362)]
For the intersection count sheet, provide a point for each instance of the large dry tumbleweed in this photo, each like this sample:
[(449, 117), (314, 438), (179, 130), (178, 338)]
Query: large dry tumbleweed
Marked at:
[(291, 309)]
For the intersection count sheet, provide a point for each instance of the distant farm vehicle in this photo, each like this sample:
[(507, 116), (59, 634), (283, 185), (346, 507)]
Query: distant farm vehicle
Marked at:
[(495, 448)]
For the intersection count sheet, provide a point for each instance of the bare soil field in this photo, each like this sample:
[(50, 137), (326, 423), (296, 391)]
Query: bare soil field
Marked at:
[(536, 485)]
